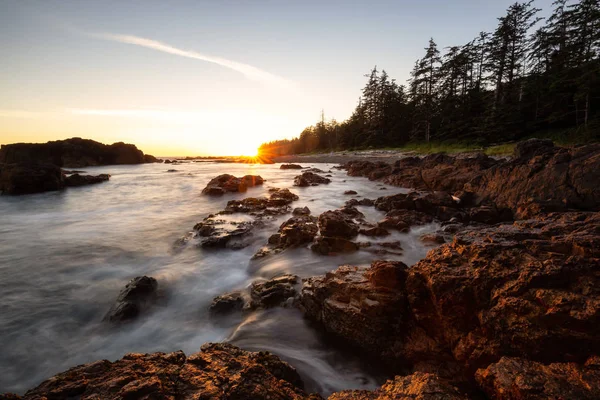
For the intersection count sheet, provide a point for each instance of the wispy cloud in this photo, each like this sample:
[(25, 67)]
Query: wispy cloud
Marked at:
[(249, 71)]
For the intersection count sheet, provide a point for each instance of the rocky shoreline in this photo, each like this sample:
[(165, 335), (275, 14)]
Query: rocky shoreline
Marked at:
[(507, 306)]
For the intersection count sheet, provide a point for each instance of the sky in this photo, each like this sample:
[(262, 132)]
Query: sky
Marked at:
[(208, 77)]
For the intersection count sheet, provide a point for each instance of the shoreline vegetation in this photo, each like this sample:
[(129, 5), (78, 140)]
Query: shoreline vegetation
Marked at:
[(529, 77)]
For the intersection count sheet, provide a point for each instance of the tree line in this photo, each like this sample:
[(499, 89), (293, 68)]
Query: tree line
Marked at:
[(527, 76)]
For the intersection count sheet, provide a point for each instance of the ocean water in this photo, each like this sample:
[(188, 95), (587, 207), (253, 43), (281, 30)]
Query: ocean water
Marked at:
[(64, 257)]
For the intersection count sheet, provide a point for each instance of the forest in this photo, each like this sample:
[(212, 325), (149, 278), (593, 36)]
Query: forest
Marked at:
[(528, 77)]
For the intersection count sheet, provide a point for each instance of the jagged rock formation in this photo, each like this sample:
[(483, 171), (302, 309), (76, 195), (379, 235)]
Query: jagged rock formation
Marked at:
[(138, 295), (290, 166), (309, 178)]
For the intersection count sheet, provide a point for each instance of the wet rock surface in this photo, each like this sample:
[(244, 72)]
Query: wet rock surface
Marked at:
[(30, 178), (418, 386), (137, 296), (517, 378), (338, 223), (218, 371), (310, 179), (296, 231), (228, 183)]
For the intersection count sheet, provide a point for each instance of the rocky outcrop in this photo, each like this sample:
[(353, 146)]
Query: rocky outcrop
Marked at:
[(296, 231), (418, 386), (290, 166), (218, 371), (75, 153), (310, 179), (148, 159), (228, 183), (517, 378), (17, 179), (361, 202), (529, 289), (539, 178), (329, 246), (543, 178), (276, 204), (214, 232), (137, 296)]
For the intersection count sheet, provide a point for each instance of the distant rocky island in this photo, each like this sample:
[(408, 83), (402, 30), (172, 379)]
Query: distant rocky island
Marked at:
[(27, 168)]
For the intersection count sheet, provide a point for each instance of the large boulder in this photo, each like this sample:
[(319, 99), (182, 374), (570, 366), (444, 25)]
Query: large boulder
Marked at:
[(218, 371), (140, 293), (338, 223), (365, 307), (228, 183), (310, 179), (75, 152), (517, 378), (30, 178)]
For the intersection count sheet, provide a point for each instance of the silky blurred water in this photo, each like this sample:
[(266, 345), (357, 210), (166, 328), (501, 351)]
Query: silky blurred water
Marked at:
[(64, 257)]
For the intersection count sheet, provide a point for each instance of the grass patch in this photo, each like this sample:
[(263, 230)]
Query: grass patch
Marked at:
[(506, 149)]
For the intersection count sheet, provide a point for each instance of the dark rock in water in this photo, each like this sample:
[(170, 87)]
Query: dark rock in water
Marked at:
[(30, 178), (74, 153), (218, 233), (218, 371), (375, 231), (310, 179), (349, 192), (229, 183), (326, 246), (137, 296), (227, 303), (290, 166), (294, 232), (274, 292), (361, 202), (276, 204), (71, 172), (337, 224), (517, 378), (301, 211), (316, 170), (171, 170), (82, 180), (418, 386)]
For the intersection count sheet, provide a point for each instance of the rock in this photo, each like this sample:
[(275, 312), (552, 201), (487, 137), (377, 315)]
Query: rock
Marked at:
[(290, 166), (543, 178), (82, 180), (375, 231), (326, 246), (310, 179), (74, 153), (402, 220), (337, 224), (350, 192), (418, 386), (171, 170), (137, 296), (227, 303), (517, 378), (294, 232), (301, 211), (274, 292), (218, 371), (218, 233), (316, 170), (229, 183), (365, 307), (19, 179), (532, 147), (530, 289), (432, 238)]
